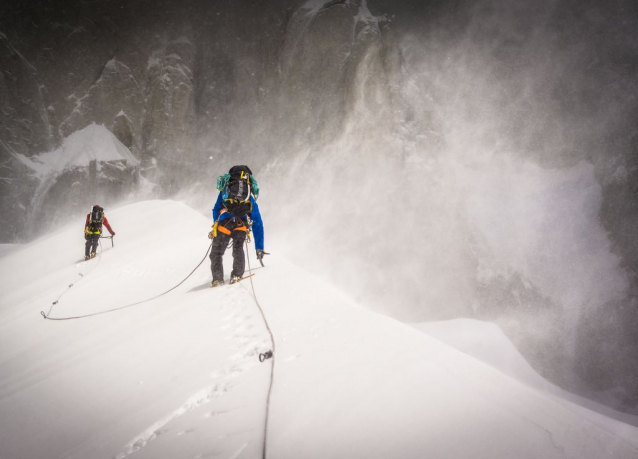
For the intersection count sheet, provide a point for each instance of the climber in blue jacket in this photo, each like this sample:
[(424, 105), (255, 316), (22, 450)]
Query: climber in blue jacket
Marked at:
[(235, 213)]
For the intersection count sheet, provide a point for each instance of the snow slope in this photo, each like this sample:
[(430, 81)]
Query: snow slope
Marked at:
[(487, 342), (7, 248), (179, 376)]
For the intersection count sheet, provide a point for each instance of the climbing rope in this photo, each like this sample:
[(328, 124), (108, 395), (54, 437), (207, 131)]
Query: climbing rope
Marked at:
[(82, 275), (46, 316), (264, 356)]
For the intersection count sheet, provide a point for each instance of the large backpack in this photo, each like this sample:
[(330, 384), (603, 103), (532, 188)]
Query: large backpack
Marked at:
[(95, 220), (236, 188)]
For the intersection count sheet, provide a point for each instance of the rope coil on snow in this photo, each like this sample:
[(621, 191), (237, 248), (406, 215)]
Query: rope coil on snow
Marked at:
[(132, 304)]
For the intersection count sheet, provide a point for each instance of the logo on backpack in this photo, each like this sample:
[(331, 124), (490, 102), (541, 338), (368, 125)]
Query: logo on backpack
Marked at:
[(236, 188)]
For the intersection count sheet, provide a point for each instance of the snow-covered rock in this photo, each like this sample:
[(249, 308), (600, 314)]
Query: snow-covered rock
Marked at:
[(92, 143)]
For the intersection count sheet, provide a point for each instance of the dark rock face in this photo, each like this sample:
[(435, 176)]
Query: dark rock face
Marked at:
[(394, 113)]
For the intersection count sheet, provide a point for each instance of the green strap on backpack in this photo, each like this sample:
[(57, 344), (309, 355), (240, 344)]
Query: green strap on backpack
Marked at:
[(222, 182)]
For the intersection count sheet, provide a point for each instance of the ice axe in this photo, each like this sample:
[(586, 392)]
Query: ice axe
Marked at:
[(261, 259), (109, 237)]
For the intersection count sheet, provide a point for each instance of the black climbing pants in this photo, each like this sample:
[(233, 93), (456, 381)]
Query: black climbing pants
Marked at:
[(227, 230), (92, 241)]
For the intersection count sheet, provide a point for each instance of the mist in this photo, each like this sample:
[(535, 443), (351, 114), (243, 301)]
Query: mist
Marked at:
[(433, 159)]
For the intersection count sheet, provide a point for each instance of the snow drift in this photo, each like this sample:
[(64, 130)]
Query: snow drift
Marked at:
[(179, 376)]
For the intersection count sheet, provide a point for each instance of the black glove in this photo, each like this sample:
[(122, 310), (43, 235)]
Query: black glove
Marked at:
[(260, 254), (112, 234)]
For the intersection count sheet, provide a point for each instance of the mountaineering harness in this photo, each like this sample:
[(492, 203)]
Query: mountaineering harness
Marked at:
[(245, 227)]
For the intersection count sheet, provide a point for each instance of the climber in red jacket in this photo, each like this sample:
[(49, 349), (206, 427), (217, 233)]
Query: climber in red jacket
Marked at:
[(93, 230)]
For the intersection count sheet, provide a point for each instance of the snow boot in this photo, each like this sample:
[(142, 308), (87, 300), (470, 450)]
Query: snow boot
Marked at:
[(217, 283), (234, 279), (93, 254), (87, 257)]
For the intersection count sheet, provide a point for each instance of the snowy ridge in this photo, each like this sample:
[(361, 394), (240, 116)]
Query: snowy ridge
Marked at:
[(180, 377)]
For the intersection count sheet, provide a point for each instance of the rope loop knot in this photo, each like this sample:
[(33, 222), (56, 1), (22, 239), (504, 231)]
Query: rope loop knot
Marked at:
[(265, 356)]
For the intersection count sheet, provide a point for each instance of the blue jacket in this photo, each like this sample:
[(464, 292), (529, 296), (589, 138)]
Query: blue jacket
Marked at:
[(255, 216)]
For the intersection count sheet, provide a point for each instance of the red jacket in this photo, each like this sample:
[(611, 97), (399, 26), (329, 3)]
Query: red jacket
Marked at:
[(104, 220)]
